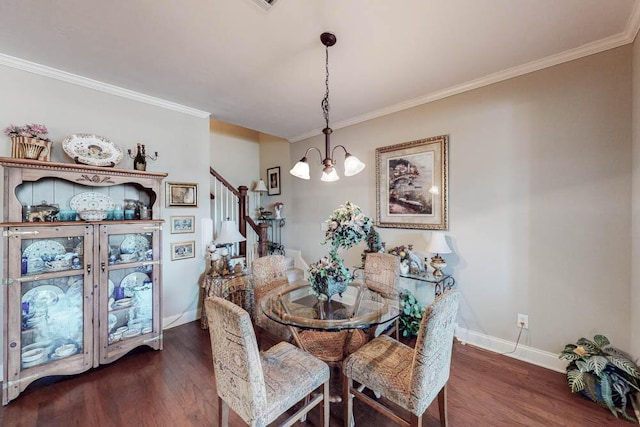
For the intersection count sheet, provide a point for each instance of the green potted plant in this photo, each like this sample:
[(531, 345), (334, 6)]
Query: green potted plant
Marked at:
[(603, 373), (411, 314)]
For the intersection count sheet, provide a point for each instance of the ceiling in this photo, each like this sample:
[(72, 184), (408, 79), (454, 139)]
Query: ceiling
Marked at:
[(264, 68)]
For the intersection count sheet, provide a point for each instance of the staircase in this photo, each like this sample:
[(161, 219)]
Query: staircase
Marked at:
[(235, 204), (294, 273)]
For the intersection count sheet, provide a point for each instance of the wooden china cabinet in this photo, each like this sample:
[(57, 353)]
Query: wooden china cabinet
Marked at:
[(77, 293)]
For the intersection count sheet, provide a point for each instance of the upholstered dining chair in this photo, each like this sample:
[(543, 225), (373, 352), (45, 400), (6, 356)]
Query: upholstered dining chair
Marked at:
[(260, 387), (268, 273), (410, 378), (381, 273)]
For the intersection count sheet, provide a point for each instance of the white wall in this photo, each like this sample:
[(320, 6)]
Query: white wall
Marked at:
[(635, 204), (182, 141), (540, 198), (235, 153)]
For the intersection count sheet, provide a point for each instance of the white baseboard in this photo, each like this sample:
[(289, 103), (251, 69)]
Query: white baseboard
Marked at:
[(180, 319), (531, 355)]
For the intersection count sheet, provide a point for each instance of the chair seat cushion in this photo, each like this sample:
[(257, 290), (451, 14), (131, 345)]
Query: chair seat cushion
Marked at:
[(383, 365), (289, 375)]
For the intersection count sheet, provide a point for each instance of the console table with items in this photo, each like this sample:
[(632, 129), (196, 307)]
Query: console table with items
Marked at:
[(236, 288), (77, 293), (416, 282)]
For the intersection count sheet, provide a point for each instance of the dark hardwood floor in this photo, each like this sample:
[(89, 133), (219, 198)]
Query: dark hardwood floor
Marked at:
[(175, 387)]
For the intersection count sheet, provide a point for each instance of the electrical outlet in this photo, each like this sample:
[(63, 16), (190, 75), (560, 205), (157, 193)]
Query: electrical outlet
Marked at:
[(323, 226), (523, 321)]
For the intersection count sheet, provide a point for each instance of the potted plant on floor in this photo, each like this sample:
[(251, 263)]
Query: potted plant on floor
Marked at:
[(603, 373)]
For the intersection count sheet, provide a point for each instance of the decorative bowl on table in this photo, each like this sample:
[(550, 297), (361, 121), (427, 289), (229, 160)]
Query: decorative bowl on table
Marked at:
[(92, 215)]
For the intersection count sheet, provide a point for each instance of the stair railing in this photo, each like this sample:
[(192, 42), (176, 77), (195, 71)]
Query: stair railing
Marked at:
[(234, 204)]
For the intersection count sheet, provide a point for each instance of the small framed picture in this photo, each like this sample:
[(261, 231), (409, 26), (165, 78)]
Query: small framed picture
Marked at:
[(183, 250), (182, 224), (182, 194), (273, 181)]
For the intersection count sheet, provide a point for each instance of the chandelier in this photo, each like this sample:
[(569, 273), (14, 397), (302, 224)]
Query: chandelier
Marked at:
[(352, 165)]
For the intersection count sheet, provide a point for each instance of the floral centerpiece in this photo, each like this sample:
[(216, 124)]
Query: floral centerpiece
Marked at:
[(328, 276), (603, 373), (346, 227), (28, 141)]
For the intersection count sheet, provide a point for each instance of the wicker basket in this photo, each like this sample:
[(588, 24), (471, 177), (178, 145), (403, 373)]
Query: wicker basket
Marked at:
[(23, 147)]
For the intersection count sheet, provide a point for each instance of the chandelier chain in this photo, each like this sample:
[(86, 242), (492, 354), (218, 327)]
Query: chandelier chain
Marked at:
[(325, 100)]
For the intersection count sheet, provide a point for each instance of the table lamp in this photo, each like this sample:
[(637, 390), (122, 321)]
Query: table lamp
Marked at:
[(438, 245), (260, 187), (227, 236)]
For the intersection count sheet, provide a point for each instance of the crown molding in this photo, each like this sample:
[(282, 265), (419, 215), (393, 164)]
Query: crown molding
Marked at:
[(43, 70), (588, 49)]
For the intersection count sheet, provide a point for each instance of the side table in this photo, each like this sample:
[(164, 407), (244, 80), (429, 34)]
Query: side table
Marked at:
[(236, 288)]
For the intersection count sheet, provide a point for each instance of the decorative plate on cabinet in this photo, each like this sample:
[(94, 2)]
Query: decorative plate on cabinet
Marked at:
[(91, 201), (92, 150), (133, 244), (133, 280), (45, 295), (44, 248)]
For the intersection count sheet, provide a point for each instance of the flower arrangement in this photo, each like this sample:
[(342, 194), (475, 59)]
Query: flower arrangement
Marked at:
[(346, 227), (29, 131), (603, 373), (328, 276), (401, 251)]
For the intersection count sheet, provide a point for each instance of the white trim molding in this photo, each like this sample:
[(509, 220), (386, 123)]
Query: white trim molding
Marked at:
[(612, 42), (498, 345), (43, 70)]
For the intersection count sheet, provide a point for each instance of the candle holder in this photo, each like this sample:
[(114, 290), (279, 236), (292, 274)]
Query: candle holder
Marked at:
[(141, 156)]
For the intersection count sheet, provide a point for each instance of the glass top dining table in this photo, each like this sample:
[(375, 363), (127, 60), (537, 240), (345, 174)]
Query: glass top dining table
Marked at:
[(356, 307)]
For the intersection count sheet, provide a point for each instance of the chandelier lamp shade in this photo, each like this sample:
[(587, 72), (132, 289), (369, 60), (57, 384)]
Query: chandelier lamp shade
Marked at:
[(352, 165)]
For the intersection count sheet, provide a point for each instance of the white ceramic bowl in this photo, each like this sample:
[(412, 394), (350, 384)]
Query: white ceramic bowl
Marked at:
[(92, 215), (128, 257), (32, 355), (65, 350)]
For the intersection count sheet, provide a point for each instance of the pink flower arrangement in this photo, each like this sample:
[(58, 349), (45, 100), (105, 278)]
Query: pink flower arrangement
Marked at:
[(30, 131)]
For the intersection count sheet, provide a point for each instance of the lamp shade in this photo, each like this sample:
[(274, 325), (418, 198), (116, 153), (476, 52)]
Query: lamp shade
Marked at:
[(352, 165), (228, 233), (301, 169), (260, 187), (438, 244), (329, 175)]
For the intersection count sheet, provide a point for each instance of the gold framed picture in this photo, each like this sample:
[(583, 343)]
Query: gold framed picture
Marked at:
[(412, 184), (182, 194)]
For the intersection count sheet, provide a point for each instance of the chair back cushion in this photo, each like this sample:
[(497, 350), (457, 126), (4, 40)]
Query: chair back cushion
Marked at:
[(269, 273), (236, 359), (432, 355), (381, 273)]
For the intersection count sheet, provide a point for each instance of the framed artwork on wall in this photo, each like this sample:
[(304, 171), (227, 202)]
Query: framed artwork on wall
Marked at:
[(183, 250), (182, 224), (273, 181), (182, 194), (412, 184)]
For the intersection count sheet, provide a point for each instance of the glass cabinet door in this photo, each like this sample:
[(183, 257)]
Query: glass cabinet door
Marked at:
[(49, 297), (129, 303)]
